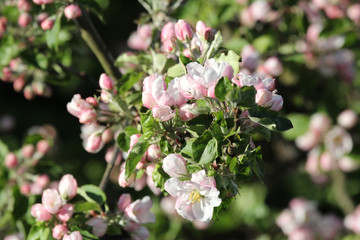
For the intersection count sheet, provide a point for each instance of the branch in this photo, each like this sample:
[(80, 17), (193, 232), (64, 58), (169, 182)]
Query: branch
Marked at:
[(109, 167), (92, 38)]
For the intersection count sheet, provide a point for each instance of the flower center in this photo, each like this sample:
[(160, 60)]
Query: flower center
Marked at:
[(195, 196)]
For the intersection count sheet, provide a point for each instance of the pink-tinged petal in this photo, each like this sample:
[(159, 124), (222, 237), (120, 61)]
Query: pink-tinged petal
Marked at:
[(172, 186), (201, 178)]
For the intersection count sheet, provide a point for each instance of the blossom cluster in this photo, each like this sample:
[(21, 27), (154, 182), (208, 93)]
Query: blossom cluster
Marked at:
[(352, 221), (335, 141), (302, 220)]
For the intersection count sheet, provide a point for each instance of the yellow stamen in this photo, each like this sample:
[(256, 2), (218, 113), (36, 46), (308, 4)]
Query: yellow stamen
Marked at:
[(195, 196)]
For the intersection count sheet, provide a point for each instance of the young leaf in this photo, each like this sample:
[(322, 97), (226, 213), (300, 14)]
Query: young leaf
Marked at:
[(176, 70), (147, 124), (92, 193), (200, 144), (128, 81), (123, 141), (86, 206), (222, 88), (210, 152), (159, 176), (215, 45), (135, 156), (52, 36), (232, 58)]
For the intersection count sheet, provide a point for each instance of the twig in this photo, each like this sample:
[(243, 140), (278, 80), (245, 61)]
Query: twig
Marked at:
[(109, 167), (92, 38)]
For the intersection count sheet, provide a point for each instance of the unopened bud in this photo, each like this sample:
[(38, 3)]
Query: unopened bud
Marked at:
[(72, 11), (11, 160), (183, 30)]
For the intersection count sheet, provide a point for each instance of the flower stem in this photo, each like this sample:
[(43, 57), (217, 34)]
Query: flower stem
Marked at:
[(339, 190)]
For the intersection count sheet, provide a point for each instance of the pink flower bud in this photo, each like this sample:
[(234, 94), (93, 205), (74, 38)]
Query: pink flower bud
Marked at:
[(187, 52), (183, 30), (185, 112), (347, 119), (98, 225), (168, 46), (134, 139), (92, 101), (308, 141), (28, 93), (28, 150), (88, 116), (19, 83), (24, 19), (47, 24), (39, 212), (139, 211), (124, 201), (59, 231), (43, 146), (107, 135), (353, 12), (25, 189), (203, 30), (168, 32), (153, 153), (123, 182), (72, 11), (347, 164), (42, 2), (106, 82), (94, 143), (250, 57), (273, 66), (105, 96), (51, 200), (73, 236), (319, 123), (327, 162), (333, 11), (11, 160), (163, 113), (141, 39), (65, 212), (175, 165), (263, 96), (42, 180), (276, 102), (6, 71), (68, 186), (3, 21), (41, 17), (23, 5)]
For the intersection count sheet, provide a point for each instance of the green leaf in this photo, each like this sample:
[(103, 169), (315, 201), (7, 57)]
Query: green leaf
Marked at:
[(3, 150), (165, 146), (86, 206), (135, 156), (199, 124), (232, 58), (161, 62), (123, 141), (300, 123), (147, 124), (200, 110), (210, 152), (92, 193), (269, 119), (257, 164), (129, 80), (131, 131), (222, 88), (215, 45), (21, 203), (176, 70), (264, 42), (39, 233), (200, 144), (134, 98), (159, 176), (52, 36), (247, 96), (187, 150), (184, 60)]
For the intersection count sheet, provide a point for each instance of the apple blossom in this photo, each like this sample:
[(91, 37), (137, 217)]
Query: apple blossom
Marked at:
[(42, 2), (352, 220), (353, 12), (39, 212), (123, 202), (73, 236), (250, 57), (68, 186), (338, 142), (72, 11), (99, 226), (273, 66), (94, 143), (123, 182), (51, 200), (175, 165), (347, 164), (259, 10), (319, 123), (163, 113), (42, 180), (139, 211), (59, 231), (195, 199), (14, 237), (204, 31)]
